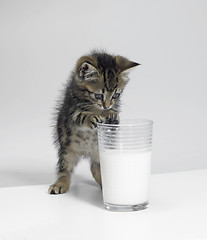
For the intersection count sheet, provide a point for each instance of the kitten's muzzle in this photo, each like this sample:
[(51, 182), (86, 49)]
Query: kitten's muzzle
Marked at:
[(107, 104)]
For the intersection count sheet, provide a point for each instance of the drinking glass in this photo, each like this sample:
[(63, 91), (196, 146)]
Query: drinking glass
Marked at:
[(125, 161)]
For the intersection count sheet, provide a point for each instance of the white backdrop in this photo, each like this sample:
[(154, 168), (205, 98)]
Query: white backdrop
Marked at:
[(40, 42)]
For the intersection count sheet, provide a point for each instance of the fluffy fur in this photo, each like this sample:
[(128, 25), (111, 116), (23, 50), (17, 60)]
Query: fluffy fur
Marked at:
[(91, 96)]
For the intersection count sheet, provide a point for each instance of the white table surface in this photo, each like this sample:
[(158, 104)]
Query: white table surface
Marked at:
[(178, 210)]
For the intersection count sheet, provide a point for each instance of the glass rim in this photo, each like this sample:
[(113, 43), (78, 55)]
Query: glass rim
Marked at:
[(128, 123)]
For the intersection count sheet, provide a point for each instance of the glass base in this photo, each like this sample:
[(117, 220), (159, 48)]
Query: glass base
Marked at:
[(126, 208)]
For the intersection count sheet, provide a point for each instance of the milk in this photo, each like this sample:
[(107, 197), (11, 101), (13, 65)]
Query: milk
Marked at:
[(125, 176)]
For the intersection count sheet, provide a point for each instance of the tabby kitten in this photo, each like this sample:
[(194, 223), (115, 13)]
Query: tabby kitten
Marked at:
[(92, 96)]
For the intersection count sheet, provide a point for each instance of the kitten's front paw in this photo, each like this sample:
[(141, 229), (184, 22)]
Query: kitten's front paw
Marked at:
[(94, 120), (59, 187), (112, 118)]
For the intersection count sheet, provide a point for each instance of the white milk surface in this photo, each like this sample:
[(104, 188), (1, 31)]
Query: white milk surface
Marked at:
[(125, 176)]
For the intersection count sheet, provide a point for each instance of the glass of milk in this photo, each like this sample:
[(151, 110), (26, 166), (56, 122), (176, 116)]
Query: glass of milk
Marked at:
[(125, 160)]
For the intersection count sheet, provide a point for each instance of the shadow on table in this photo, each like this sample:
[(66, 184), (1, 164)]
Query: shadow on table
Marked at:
[(82, 187), (86, 190)]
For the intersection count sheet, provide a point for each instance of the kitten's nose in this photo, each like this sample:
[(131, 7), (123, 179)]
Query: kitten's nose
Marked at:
[(107, 104)]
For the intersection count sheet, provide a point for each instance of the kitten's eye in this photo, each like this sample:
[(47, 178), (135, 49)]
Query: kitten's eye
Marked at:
[(116, 95), (98, 96)]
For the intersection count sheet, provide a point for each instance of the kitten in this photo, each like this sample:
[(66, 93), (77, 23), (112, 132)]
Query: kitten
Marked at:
[(92, 96)]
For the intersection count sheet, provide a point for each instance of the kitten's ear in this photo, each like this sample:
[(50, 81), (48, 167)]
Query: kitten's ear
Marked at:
[(124, 64), (86, 69)]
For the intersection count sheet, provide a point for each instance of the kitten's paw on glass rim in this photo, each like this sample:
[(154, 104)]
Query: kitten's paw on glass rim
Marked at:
[(95, 120), (112, 118)]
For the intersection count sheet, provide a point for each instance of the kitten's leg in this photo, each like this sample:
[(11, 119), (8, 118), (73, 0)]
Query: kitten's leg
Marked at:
[(87, 119), (95, 170), (67, 162), (61, 185)]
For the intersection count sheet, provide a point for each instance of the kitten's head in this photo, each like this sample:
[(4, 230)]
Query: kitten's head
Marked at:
[(102, 77)]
